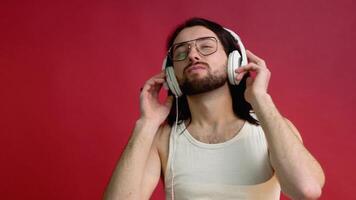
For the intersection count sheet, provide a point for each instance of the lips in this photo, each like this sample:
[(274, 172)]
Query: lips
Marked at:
[(194, 67)]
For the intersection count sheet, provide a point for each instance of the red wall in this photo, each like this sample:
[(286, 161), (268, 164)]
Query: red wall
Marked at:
[(70, 74)]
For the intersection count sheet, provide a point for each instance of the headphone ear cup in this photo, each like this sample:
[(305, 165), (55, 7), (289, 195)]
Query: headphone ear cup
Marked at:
[(234, 62), (165, 84), (237, 60), (171, 80)]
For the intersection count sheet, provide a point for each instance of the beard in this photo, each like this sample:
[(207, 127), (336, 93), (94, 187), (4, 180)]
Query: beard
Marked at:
[(210, 82)]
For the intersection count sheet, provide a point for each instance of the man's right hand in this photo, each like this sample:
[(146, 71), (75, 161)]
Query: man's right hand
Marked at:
[(152, 110)]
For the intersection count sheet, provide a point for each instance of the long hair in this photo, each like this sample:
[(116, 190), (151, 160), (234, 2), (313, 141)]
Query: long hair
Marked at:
[(240, 106)]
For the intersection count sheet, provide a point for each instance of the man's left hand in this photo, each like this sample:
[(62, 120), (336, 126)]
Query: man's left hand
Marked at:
[(257, 84)]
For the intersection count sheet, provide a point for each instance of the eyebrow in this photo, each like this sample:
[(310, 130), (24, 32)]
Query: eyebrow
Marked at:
[(176, 46), (179, 43)]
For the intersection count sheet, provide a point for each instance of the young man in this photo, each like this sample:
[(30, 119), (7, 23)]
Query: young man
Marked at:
[(219, 149)]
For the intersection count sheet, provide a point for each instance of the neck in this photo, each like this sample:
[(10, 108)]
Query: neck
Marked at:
[(212, 108)]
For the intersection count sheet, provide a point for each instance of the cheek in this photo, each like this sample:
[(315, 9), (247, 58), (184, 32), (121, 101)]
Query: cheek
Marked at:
[(223, 57), (220, 64), (178, 69)]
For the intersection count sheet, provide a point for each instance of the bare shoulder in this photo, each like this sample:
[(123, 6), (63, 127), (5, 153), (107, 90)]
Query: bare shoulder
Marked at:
[(163, 134)]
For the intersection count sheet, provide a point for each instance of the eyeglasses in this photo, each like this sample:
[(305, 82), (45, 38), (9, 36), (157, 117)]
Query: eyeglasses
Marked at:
[(204, 45)]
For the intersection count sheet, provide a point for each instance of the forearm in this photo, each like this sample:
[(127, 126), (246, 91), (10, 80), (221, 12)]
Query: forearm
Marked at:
[(126, 180), (299, 173)]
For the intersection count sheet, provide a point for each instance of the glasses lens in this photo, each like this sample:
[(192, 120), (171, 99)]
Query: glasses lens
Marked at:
[(206, 46), (180, 51)]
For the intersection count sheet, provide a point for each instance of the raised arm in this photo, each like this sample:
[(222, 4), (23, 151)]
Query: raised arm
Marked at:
[(300, 175), (138, 170)]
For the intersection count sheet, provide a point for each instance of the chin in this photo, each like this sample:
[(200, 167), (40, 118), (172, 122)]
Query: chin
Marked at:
[(202, 84)]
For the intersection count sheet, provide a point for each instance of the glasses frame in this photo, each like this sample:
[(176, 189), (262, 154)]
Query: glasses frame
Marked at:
[(173, 47)]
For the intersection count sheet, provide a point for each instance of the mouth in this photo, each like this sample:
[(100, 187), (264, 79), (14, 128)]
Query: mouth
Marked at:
[(195, 67)]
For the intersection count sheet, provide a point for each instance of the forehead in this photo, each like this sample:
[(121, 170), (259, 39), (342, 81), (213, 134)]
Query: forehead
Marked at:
[(192, 33)]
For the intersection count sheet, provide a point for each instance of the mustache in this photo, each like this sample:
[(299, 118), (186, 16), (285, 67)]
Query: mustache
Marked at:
[(195, 63)]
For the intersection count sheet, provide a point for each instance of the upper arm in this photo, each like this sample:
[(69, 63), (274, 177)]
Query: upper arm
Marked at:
[(152, 169)]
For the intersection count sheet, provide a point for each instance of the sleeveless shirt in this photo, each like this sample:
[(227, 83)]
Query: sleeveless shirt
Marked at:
[(235, 169)]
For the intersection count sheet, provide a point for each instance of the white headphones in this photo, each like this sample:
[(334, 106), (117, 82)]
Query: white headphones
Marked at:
[(235, 60)]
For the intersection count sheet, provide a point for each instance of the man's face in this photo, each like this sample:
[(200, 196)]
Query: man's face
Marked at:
[(199, 73)]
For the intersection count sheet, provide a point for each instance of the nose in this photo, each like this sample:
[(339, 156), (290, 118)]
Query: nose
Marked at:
[(193, 53)]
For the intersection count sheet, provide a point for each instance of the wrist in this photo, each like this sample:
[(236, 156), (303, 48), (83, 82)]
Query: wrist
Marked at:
[(260, 99), (146, 128), (144, 121), (264, 107)]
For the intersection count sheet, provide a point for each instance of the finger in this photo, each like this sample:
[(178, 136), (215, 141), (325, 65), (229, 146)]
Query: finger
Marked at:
[(159, 75), (162, 73), (157, 84), (153, 85), (249, 67), (240, 75), (153, 81), (253, 58)]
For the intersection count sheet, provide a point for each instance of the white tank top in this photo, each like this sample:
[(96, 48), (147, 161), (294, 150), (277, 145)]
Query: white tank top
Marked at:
[(236, 169)]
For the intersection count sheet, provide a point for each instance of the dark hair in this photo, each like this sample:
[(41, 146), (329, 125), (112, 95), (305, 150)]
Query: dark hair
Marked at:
[(240, 106)]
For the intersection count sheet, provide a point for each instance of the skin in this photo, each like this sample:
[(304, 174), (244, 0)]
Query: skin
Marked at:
[(139, 168)]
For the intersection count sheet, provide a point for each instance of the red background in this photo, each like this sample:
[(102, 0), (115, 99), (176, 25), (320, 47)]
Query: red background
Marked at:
[(70, 74)]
